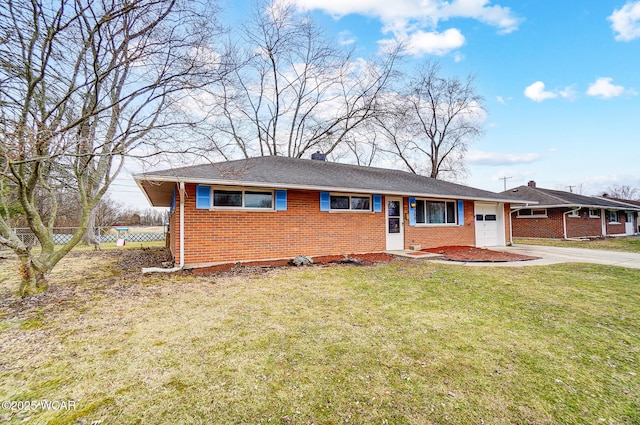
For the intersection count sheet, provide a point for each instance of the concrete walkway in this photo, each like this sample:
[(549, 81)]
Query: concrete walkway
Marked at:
[(555, 255)]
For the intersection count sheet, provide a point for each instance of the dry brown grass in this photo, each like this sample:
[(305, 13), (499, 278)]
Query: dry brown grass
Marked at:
[(407, 342)]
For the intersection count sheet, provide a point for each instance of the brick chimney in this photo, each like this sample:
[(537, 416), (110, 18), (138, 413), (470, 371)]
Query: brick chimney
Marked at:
[(532, 183)]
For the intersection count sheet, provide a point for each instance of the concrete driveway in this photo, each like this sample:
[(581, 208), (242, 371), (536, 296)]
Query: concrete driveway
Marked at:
[(555, 255)]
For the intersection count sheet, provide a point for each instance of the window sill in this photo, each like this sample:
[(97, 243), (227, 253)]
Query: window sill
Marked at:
[(350, 211), (532, 216), (240, 209), (436, 225)]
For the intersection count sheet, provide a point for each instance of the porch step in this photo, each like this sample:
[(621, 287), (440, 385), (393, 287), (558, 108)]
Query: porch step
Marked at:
[(415, 254)]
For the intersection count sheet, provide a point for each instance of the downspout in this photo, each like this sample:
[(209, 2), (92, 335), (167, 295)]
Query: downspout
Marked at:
[(515, 210), (181, 264), (564, 221)]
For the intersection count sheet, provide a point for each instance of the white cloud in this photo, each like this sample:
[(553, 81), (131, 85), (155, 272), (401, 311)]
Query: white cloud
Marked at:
[(626, 21), (434, 43), (345, 38), (603, 87), (417, 20), (494, 158), (504, 101), (537, 92)]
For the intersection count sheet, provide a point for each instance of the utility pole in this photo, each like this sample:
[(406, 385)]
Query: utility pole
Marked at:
[(504, 180)]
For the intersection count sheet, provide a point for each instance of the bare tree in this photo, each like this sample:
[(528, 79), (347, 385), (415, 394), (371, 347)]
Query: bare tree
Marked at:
[(431, 122), (84, 84), (293, 91), (623, 192)]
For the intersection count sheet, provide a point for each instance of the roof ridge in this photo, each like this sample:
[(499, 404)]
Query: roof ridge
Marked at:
[(545, 191)]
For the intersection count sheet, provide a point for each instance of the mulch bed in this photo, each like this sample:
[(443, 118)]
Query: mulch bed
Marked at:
[(325, 261), (471, 254)]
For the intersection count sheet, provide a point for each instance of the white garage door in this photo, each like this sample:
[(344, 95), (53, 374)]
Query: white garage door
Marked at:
[(488, 224)]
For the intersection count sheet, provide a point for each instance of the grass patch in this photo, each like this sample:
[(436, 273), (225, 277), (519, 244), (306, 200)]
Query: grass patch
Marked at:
[(626, 244), (407, 342)]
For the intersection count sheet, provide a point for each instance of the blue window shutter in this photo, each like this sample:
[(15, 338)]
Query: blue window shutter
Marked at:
[(377, 203), (281, 200), (172, 207), (460, 212), (203, 197), (325, 201), (412, 211)]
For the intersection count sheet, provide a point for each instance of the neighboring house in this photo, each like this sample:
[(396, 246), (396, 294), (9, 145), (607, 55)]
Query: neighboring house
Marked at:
[(273, 207), (628, 202), (564, 215)]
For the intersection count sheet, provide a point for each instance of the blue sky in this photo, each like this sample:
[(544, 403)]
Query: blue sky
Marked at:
[(560, 79)]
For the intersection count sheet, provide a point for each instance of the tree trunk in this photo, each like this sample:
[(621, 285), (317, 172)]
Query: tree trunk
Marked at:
[(89, 237), (32, 280)]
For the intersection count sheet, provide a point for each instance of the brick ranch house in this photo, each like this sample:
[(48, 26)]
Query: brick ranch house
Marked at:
[(273, 208), (564, 215)]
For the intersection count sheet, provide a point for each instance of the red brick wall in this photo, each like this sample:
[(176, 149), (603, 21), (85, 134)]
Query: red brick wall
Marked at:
[(228, 236), (435, 236), (617, 228), (581, 227), (529, 227), (507, 224), (552, 226)]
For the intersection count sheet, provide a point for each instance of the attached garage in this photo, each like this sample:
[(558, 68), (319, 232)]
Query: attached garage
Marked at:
[(489, 224)]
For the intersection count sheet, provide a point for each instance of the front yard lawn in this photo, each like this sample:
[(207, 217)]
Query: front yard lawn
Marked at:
[(405, 342), (627, 244)]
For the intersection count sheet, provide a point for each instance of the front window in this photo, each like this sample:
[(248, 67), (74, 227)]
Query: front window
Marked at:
[(350, 202), (258, 200), (227, 198), (249, 199), (613, 217), (435, 212), (594, 213)]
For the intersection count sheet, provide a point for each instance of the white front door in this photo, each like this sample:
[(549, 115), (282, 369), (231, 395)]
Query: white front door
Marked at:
[(628, 226), (488, 221), (394, 226)]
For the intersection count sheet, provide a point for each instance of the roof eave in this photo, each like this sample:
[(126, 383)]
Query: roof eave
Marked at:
[(221, 182), (621, 207)]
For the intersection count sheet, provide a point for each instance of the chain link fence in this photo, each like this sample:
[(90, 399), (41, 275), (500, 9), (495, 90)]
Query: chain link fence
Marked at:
[(62, 235)]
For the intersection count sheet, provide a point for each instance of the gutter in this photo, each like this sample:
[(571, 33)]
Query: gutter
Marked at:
[(181, 264), (218, 182)]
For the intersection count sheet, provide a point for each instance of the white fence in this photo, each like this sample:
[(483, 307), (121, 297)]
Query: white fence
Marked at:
[(62, 235)]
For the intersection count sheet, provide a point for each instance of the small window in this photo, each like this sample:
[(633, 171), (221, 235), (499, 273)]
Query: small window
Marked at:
[(532, 212), (479, 217), (249, 199), (350, 202), (574, 213), (258, 200), (227, 198), (339, 202), (360, 203), (490, 217), (594, 213), (614, 217)]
